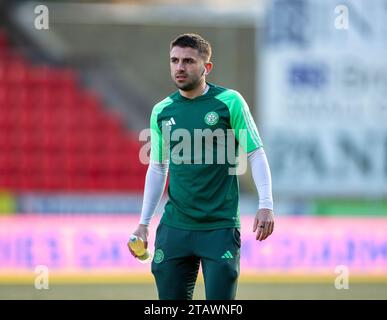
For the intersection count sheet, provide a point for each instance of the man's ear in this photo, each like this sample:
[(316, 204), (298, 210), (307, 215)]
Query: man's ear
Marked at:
[(207, 68)]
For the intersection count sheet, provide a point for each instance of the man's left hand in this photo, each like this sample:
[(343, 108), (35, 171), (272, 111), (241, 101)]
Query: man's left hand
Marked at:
[(264, 222)]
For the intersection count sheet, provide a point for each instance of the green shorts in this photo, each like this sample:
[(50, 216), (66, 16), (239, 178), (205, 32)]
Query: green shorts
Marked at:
[(177, 257)]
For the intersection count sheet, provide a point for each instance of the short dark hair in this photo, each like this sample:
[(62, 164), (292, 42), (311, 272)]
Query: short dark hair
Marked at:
[(194, 41)]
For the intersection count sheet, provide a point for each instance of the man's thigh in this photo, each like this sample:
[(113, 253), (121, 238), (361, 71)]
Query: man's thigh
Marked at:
[(220, 254), (174, 266)]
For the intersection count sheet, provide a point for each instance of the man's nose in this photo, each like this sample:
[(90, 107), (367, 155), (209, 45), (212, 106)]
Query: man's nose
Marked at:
[(180, 66)]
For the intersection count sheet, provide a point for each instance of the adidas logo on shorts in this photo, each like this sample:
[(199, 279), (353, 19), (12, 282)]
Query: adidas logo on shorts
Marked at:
[(227, 255)]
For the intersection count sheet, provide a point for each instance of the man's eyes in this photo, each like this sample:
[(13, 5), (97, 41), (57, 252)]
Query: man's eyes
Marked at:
[(188, 61)]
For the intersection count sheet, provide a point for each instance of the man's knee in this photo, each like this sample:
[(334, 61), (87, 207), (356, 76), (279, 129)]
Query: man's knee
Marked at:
[(229, 271), (221, 284)]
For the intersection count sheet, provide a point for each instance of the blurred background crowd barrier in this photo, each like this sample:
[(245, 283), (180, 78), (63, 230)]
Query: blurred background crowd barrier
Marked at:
[(78, 82), (85, 244)]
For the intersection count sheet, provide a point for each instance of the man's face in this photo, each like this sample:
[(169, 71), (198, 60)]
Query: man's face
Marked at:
[(187, 68)]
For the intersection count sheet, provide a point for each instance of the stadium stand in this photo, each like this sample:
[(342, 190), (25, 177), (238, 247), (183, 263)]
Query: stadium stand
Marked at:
[(57, 135)]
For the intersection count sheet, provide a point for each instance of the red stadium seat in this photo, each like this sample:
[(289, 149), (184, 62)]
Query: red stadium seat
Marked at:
[(56, 135)]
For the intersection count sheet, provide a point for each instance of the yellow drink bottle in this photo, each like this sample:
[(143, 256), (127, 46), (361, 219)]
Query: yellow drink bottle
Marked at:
[(137, 245)]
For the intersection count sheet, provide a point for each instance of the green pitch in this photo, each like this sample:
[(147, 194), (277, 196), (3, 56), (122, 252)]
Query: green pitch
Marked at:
[(247, 291)]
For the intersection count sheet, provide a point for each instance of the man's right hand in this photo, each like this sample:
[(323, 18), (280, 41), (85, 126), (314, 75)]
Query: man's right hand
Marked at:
[(142, 231)]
